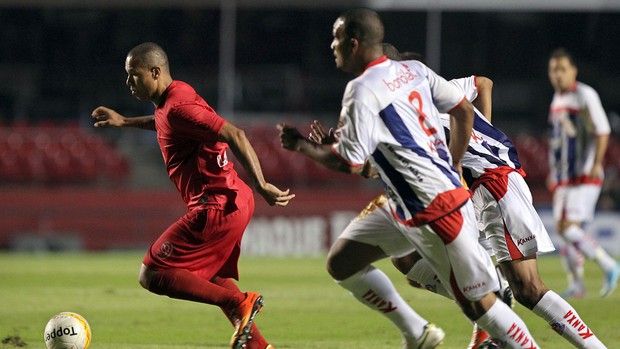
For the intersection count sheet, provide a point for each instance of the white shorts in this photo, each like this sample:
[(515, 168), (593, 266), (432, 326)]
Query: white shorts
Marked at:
[(450, 245), (376, 226), (460, 262), (509, 220), (575, 203)]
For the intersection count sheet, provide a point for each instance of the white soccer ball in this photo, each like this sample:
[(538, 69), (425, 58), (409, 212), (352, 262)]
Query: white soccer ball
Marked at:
[(67, 330)]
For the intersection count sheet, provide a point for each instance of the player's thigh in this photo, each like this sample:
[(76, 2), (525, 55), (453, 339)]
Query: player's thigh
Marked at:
[(376, 226), (347, 257)]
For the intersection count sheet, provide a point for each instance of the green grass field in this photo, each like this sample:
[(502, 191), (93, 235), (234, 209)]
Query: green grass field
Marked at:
[(303, 306)]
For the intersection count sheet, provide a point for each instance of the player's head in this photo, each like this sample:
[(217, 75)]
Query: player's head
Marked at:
[(392, 53), (411, 56), (358, 38), (148, 73), (562, 70)]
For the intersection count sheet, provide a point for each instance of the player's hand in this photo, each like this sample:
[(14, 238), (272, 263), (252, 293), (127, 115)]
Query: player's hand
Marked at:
[(275, 196), (369, 171), (107, 117), (321, 136), (551, 183), (290, 137), (596, 171), (459, 168)]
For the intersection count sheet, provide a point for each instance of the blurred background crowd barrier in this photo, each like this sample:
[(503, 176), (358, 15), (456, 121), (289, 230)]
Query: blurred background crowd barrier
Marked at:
[(67, 186)]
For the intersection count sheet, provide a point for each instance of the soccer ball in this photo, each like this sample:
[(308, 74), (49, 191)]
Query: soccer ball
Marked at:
[(67, 330)]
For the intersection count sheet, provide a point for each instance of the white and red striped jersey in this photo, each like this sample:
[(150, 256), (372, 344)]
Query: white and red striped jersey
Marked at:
[(489, 148), (576, 117), (390, 113)]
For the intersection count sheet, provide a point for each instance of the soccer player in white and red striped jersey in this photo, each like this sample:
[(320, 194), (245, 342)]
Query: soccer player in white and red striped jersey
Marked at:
[(390, 115), (505, 213), (578, 141), (514, 230)]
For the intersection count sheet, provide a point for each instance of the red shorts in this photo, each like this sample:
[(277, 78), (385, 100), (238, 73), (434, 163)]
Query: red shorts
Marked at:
[(205, 241)]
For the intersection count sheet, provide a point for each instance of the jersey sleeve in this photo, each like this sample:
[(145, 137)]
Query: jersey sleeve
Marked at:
[(467, 86), (354, 140), (445, 95), (195, 121), (596, 111)]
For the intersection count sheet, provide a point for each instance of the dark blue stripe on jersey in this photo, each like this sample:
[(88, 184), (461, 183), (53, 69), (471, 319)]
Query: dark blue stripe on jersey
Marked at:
[(557, 156), (484, 127), (572, 155), (554, 150), (399, 130), (409, 197), (492, 159)]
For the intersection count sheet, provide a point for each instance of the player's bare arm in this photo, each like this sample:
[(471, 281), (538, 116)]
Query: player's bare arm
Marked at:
[(107, 117), (484, 101), (320, 135), (461, 123), (243, 150), (601, 147), (291, 139)]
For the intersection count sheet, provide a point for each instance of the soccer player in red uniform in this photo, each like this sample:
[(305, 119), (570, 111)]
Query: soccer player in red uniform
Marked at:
[(195, 259)]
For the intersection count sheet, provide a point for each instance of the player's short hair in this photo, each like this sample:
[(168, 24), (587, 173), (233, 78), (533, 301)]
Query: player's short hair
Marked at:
[(149, 55), (411, 56), (563, 53), (363, 24), (391, 52)]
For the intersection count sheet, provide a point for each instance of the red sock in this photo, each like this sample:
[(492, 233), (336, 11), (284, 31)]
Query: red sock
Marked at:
[(182, 284), (257, 341)]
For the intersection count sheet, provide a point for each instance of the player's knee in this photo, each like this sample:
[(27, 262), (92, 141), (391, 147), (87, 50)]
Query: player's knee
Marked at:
[(529, 293), (143, 280), (401, 265), (336, 267), (474, 309), (144, 277), (405, 264), (563, 225), (340, 267)]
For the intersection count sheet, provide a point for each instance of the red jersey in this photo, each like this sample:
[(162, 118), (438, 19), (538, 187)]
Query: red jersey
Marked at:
[(187, 132)]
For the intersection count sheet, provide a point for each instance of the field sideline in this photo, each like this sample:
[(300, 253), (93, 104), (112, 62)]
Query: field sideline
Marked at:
[(303, 306)]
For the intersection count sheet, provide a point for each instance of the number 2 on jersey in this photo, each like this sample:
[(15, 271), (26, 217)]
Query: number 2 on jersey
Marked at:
[(414, 96)]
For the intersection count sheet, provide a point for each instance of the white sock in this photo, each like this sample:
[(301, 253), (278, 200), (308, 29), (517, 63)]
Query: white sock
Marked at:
[(564, 320), (572, 261), (422, 273), (374, 289), (590, 248), (505, 326)]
